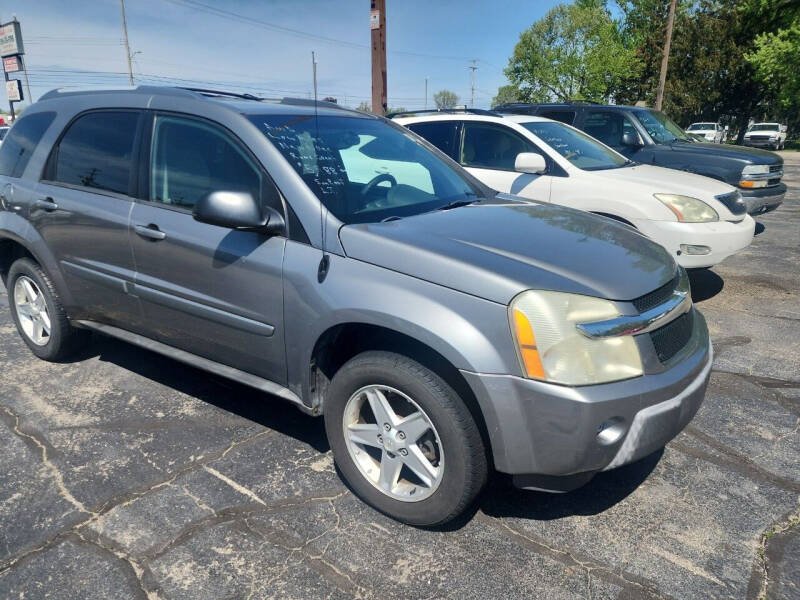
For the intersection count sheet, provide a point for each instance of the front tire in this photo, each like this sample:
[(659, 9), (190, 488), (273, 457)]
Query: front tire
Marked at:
[(38, 314), (403, 439)]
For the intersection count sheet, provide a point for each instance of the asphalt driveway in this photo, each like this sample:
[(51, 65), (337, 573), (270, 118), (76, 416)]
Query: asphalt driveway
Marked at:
[(128, 475)]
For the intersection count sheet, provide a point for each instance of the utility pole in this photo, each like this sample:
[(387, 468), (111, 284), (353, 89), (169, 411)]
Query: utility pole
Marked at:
[(377, 26), (426, 93), (472, 68), (662, 78), (125, 38)]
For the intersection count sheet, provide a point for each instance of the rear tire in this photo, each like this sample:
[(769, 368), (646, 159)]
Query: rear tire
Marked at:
[(447, 440), (38, 314)]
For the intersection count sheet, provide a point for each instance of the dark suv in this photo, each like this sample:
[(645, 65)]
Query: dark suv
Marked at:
[(338, 261), (649, 136)]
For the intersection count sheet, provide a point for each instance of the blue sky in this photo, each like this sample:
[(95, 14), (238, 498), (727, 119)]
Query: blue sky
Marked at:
[(177, 43)]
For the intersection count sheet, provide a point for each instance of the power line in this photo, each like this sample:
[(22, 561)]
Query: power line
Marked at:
[(296, 32)]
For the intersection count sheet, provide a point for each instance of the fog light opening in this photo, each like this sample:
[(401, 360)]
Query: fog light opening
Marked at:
[(611, 430), (692, 249)]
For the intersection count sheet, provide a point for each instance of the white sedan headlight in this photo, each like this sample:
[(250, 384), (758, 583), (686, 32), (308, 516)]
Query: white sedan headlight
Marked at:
[(551, 348), (688, 209)]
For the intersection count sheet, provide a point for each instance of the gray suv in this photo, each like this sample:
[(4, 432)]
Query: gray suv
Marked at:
[(340, 262)]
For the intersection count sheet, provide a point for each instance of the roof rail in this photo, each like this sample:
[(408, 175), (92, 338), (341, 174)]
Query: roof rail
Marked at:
[(310, 102), (209, 92), (446, 111)]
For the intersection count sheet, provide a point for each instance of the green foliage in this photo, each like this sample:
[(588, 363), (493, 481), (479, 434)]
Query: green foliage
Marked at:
[(714, 63), (506, 94), (445, 99), (574, 52), (775, 59)]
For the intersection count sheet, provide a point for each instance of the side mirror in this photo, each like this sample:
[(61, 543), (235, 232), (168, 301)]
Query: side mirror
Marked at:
[(632, 139), (530, 162), (237, 210)]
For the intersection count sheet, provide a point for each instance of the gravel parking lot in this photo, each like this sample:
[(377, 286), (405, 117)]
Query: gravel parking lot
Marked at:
[(128, 475)]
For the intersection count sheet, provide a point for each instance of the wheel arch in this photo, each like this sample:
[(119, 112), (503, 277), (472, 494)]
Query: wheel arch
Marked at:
[(18, 239), (341, 342)]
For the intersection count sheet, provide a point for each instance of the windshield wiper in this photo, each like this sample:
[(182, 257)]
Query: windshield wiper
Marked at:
[(462, 202)]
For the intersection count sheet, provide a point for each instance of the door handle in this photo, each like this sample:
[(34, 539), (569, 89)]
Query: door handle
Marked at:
[(46, 204), (151, 232)]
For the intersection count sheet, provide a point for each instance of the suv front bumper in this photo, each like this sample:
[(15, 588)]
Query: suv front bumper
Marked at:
[(549, 436), (762, 200)]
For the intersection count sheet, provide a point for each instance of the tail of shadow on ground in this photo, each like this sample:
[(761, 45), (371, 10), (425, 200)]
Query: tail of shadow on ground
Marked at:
[(705, 284), (500, 498), (251, 404)]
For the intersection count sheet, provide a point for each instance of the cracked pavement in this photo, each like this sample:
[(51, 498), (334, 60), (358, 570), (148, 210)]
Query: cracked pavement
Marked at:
[(125, 474)]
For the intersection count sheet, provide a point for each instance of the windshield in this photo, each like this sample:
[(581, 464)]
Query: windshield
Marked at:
[(700, 126), (765, 127), (578, 148), (661, 128), (364, 170)]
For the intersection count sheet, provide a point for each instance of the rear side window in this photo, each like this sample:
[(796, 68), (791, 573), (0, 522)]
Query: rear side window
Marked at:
[(21, 141), (441, 134), (97, 151), (565, 116)]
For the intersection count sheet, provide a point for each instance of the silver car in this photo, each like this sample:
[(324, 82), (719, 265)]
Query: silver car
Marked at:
[(341, 263)]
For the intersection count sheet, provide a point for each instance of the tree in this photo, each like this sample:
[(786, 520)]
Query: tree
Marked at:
[(445, 99), (364, 107), (774, 59), (575, 52), (710, 75), (506, 94)]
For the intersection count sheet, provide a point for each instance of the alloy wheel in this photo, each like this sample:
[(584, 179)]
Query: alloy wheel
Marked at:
[(393, 443), (31, 307)]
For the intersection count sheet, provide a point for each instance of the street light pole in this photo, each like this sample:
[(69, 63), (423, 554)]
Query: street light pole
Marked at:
[(125, 38), (426, 93)]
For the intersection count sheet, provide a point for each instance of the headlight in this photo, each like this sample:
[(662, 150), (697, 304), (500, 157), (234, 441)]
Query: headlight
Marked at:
[(755, 170), (688, 209), (551, 348)]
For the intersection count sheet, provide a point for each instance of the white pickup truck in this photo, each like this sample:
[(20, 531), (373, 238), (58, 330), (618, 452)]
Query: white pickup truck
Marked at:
[(767, 135)]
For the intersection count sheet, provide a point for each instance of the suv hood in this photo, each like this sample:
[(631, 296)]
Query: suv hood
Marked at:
[(500, 247), (657, 180), (754, 156)]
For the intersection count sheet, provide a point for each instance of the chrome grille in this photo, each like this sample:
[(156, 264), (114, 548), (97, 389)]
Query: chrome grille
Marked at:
[(657, 296)]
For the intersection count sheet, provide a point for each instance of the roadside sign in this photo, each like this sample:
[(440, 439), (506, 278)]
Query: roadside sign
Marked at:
[(374, 19), (12, 64), (11, 39), (14, 90)]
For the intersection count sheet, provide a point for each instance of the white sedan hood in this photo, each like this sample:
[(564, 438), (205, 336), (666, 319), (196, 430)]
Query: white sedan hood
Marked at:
[(668, 181)]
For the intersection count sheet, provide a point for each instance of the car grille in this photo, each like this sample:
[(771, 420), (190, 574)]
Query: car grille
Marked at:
[(658, 296), (733, 202), (775, 168), (771, 182), (672, 337), (759, 138)]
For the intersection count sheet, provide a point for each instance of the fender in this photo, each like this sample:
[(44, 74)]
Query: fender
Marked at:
[(469, 332), (14, 227)]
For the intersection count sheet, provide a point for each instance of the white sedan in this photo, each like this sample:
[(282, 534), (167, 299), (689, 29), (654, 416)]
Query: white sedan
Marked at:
[(701, 221)]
